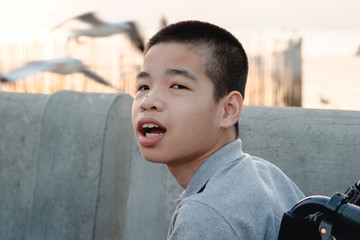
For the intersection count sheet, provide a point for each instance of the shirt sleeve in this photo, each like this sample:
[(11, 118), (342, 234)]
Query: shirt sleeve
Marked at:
[(195, 221)]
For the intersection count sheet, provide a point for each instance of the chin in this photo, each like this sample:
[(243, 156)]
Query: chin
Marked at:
[(149, 156), (154, 158)]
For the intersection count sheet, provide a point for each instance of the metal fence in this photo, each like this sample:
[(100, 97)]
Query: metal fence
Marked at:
[(275, 76), (113, 58)]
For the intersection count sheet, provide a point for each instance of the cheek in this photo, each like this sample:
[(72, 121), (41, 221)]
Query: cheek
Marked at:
[(200, 120), (134, 112)]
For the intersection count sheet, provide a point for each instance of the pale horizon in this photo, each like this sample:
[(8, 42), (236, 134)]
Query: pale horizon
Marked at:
[(232, 14)]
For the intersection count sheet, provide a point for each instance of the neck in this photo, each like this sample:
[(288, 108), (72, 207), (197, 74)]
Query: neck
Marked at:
[(185, 170)]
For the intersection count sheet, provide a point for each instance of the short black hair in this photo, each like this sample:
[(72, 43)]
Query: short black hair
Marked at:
[(226, 60), (227, 65)]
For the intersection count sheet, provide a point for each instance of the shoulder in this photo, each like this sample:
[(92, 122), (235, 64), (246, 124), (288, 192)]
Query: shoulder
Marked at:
[(198, 220), (251, 194), (199, 217), (252, 177), (244, 198)]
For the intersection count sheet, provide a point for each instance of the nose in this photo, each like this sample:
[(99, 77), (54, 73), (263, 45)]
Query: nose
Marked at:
[(152, 102)]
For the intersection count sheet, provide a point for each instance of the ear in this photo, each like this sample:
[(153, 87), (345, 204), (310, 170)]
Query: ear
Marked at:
[(232, 106)]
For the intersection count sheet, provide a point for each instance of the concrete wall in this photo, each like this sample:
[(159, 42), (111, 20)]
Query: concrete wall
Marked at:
[(318, 149), (82, 167), (70, 167), (20, 124)]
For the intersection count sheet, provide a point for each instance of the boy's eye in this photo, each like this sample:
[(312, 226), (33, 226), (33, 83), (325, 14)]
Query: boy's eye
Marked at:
[(179, 86), (143, 88)]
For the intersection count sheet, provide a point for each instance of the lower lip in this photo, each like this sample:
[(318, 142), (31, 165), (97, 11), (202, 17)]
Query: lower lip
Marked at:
[(149, 141)]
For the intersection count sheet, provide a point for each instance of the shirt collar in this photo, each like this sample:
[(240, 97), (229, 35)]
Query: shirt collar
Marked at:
[(223, 156)]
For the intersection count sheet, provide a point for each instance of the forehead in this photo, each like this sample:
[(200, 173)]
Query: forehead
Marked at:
[(178, 59), (173, 51)]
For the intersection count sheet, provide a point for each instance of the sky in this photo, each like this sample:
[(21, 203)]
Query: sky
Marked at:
[(330, 30), (337, 17), (232, 14)]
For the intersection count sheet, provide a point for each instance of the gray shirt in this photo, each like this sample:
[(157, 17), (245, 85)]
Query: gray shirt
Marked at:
[(233, 196)]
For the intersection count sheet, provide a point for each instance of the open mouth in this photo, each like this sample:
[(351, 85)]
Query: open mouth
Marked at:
[(151, 130)]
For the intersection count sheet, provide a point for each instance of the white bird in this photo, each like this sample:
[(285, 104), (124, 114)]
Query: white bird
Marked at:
[(66, 65), (324, 100), (358, 52), (100, 28), (163, 22)]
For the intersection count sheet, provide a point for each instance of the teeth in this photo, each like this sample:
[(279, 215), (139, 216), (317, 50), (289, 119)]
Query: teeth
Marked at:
[(147, 132), (149, 125), (152, 134)]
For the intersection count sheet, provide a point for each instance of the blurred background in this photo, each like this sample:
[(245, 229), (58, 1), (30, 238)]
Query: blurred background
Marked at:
[(302, 53)]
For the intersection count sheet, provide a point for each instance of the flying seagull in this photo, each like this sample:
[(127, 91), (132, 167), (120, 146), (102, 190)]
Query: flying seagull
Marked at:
[(163, 22), (66, 65), (100, 28), (324, 100)]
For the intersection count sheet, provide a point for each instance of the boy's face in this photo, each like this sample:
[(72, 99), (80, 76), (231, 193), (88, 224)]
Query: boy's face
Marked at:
[(174, 114)]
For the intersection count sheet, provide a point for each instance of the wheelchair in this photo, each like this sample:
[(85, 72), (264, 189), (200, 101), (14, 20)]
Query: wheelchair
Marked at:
[(324, 218)]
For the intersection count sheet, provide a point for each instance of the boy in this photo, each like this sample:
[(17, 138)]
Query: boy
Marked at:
[(185, 115)]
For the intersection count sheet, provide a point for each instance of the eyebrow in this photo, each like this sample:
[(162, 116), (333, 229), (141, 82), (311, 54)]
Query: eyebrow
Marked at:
[(182, 72), (142, 75), (171, 71)]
